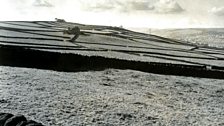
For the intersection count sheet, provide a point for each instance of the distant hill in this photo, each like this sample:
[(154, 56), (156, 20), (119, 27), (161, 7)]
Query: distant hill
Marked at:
[(205, 36)]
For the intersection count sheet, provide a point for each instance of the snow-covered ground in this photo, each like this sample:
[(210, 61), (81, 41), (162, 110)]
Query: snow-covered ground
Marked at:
[(111, 97)]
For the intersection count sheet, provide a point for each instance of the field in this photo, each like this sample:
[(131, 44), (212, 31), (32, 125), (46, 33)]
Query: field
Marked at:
[(208, 36), (111, 97)]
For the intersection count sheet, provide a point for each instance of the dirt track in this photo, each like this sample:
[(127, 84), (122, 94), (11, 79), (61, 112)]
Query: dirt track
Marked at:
[(110, 97)]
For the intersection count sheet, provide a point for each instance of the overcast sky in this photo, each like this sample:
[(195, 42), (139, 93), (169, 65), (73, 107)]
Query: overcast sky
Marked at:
[(129, 13)]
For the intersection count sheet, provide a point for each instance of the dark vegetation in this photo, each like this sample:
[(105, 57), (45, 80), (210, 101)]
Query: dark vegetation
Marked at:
[(22, 57)]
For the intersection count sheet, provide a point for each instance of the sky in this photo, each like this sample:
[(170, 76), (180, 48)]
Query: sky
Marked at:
[(126, 13)]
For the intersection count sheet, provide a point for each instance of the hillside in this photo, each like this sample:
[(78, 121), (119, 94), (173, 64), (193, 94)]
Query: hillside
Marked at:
[(42, 44)]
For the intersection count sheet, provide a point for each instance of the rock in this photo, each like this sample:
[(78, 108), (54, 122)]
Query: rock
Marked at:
[(73, 31), (15, 120), (60, 20), (7, 119), (33, 123), (4, 117)]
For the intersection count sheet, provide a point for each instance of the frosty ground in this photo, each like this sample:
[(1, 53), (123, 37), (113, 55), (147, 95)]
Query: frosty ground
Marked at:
[(111, 97)]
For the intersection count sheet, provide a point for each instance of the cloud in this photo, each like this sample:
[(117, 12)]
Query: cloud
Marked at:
[(98, 5), (42, 3), (217, 11), (158, 6), (124, 5), (140, 5), (168, 6)]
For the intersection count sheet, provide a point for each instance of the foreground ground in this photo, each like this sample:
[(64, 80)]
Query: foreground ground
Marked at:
[(111, 97)]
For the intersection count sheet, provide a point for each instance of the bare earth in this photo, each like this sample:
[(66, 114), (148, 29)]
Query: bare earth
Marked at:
[(111, 97)]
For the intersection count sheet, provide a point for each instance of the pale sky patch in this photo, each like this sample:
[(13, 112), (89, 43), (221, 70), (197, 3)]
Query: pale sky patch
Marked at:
[(217, 11), (42, 3), (168, 6), (160, 6), (128, 13)]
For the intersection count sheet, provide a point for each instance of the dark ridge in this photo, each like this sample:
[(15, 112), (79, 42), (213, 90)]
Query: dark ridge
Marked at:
[(37, 44), (137, 47), (22, 57), (30, 26), (36, 38), (29, 32), (20, 29), (217, 68), (82, 48)]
